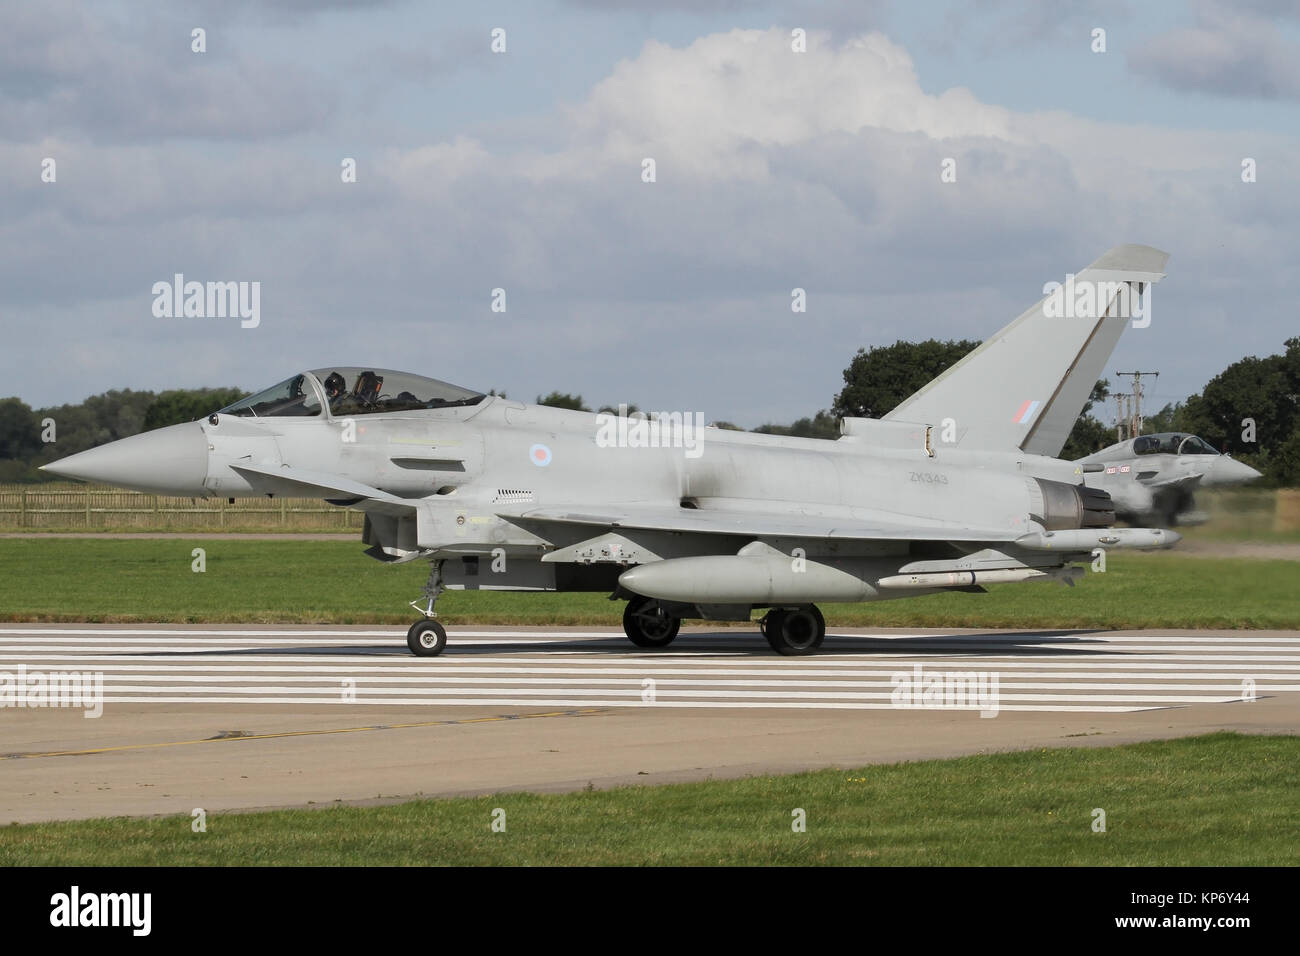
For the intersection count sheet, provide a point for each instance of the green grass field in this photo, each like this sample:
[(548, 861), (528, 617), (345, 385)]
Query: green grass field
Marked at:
[(333, 582), (1218, 800)]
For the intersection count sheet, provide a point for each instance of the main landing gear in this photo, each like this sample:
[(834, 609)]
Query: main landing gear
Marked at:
[(791, 631), (426, 637), (794, 631), (646, 624)]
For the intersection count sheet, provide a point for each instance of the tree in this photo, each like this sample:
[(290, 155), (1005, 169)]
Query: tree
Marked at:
[(1089, 435), (879, 378), (1171, 418), (20, 436), (100, 419), (1283, 466), (563, 400), (188, 404), (1265, 391), (821, 425)]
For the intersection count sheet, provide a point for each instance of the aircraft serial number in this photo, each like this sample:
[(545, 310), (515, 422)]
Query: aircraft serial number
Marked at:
[(929, 477)]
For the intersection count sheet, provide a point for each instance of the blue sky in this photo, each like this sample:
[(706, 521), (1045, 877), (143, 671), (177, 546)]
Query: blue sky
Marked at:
[(522, 171)]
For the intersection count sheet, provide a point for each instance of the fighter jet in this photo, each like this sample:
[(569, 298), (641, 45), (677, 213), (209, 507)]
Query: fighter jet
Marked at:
[(956, 488), (1151, 478)]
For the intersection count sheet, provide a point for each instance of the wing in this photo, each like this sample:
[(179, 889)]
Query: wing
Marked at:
[(1184, 481), (333, 488), (754, 524)]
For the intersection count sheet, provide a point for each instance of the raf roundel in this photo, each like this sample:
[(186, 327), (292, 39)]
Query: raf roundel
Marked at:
[(540, 455)]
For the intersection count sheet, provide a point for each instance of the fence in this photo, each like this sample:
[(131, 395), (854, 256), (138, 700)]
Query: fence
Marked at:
[(86, 507)]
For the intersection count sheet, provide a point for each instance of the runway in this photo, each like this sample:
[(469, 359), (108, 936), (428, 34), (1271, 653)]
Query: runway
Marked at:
[(353, 716)]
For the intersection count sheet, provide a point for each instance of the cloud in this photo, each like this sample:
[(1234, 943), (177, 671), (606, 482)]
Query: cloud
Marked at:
[(996, 25), (68, 69), (1231, 51)]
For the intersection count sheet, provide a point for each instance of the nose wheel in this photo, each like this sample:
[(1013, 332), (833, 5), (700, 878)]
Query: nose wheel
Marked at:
[(426, 638)]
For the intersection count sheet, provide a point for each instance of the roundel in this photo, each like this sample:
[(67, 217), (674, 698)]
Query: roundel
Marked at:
[(540, 455)]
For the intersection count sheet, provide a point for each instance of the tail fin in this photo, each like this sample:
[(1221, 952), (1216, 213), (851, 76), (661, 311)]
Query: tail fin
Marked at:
[(1025, 386)]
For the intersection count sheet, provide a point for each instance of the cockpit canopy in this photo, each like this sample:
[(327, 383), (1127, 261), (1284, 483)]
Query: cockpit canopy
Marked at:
[(352, 391), (1172, 443)]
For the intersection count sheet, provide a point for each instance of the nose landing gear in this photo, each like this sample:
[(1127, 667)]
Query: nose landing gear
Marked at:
[(426, 637)]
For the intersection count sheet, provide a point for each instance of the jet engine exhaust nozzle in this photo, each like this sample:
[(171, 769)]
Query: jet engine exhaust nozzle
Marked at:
[(1058, 506)]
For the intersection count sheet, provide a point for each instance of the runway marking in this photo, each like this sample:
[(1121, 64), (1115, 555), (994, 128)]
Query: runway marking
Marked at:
[(1073, 671), (412, 671), (584, 712), (334, 682)]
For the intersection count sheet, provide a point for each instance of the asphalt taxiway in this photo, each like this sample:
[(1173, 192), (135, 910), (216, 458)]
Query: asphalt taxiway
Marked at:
[(239, 717)]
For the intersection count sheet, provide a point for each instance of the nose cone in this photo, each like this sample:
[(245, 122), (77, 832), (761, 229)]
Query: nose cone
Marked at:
[(171, 460), (1229, 471)]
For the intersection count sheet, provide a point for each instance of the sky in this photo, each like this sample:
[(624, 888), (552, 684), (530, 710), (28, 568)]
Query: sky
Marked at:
[(523, 170)]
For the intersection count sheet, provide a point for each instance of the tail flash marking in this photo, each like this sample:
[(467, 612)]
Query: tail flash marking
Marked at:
[(1026, 412)]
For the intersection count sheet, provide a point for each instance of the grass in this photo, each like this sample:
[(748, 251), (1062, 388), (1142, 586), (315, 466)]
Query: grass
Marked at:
[(1218, 800), (332, 582)]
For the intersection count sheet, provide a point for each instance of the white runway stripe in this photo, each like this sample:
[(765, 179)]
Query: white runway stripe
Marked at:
[(1224, 682), (1046, 672)]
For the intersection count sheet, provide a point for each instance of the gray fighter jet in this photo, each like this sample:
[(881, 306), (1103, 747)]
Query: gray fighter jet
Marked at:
[(956, 488), (1151, 478)]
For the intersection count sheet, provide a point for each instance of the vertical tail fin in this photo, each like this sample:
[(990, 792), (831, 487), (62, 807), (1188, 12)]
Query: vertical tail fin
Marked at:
[(1025, 386)]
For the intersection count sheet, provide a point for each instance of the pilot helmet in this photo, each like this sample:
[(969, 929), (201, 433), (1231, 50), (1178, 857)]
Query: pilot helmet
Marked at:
[(335, 385)]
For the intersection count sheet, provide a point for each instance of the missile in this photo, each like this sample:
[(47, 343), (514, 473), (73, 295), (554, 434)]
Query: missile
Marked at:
[(959, 579)]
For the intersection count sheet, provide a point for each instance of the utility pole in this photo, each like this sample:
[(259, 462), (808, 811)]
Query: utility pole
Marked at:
[(1135, 421), (1121, 417)]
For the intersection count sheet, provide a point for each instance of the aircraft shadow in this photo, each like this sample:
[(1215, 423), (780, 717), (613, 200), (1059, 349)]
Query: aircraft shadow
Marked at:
[(745, 644)]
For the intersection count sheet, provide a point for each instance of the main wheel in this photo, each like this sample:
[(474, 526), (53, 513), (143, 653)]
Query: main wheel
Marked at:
[(795, 632), (426, 638), (646, 624)]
